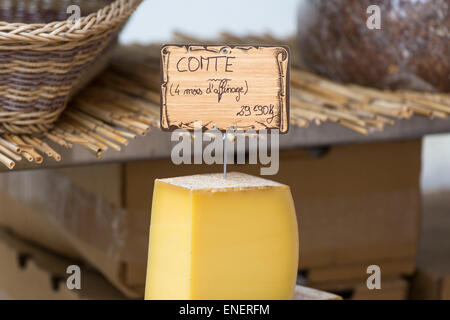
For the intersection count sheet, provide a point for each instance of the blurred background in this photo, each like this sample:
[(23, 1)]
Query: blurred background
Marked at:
[(382, 201)]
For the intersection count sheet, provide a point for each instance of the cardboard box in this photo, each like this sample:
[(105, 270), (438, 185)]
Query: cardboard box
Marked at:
[(30, 272), (391, 289), (432, 279), (356, 204), (53, 211), (358, 272)]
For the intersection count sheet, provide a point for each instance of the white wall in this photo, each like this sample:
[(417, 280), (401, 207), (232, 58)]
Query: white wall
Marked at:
[(155, 20)]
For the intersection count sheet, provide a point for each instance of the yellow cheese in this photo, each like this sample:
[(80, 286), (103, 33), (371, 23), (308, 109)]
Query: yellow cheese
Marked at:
[(212, 238)]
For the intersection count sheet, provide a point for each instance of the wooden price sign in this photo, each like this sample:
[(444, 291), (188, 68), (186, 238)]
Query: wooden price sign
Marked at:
[(241, 87)]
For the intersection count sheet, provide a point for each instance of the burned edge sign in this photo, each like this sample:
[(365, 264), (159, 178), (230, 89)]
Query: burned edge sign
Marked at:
[(225, 87)]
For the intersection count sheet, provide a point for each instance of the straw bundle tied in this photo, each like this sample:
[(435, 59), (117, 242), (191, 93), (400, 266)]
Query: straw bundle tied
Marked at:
[(123, 103)]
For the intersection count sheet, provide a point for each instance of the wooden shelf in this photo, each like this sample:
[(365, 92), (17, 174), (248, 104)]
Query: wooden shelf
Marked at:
[(157, 144)]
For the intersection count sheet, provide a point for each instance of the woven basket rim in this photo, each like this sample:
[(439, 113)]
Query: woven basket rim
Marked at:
[(64, 30)]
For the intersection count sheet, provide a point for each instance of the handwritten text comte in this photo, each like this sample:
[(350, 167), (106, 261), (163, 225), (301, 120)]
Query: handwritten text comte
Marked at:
[(223, 87), (193, 64)]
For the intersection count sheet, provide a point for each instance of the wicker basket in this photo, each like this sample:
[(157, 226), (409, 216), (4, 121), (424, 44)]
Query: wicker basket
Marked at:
[(44, 59)]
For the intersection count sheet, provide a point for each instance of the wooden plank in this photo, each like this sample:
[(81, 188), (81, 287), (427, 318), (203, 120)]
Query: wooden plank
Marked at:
[(304, 293), (391, 289), (246, 87), (358, 271), (31, 272)]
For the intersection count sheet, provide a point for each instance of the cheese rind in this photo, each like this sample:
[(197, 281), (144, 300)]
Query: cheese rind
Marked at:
[(170, 241), (227, 240), (215, 182)]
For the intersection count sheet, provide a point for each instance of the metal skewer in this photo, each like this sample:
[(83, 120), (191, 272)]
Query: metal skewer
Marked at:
[(225, 155)]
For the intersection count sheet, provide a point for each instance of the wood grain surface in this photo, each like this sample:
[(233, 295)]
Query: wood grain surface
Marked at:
[(241, 87)]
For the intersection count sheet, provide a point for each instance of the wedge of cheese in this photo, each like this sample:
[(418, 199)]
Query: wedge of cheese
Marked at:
[(212, 238)]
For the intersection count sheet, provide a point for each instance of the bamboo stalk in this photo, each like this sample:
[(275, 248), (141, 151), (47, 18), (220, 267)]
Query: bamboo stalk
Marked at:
[(416, 109), (125, 85), (36, 145), (97, 126), (7, 161), (71, 129), (440, 115), (11, 146), (314, 98), (381, 110), (385, 120), (337, 114), (302, 123), (125, 101), (354, 127), (27, 154), (432, 105), (136, 124), (318, 110), (317, 118), (82, 142), (95, 136), (49, 150), (28, 149), (114, 112), (19, 142), (319, 90), (125, 134), (437, 98), (25, 147), (301, 77), (295, 114), (374, 123), (36, 156), (57, 140), (55, 154), (143, 119), (99, 144), (70, 137), (378, 94), (10, 154), (107, 118)]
